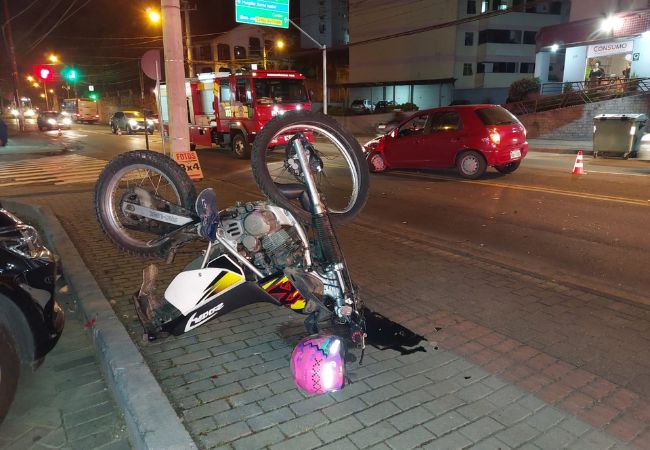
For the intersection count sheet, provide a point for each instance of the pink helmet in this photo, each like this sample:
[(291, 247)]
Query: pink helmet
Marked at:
[(317, 364)]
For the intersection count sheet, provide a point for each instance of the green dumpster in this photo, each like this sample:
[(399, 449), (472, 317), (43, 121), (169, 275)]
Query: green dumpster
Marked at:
[(618, 135)]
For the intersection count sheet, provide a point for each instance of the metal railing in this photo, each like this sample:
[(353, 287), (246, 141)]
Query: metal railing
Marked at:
[(582, 92)]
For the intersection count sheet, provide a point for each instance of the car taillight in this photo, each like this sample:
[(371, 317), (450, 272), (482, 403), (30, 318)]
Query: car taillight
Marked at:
[(495, 137), (96, 115)]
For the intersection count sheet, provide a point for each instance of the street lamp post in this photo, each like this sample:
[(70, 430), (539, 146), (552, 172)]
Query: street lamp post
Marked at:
[(323, 47)]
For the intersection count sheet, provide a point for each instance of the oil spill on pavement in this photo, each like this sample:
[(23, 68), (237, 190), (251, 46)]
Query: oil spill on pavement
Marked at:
[(384, 334)]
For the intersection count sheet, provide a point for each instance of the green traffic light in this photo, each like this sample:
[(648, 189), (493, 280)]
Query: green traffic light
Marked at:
[(72, 74), (93, 96)]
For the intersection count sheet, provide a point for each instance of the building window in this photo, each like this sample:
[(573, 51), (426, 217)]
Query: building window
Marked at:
[(496, 67), (499, 5), (469, 39), (322, 28), (254, 47), (223, 52), (504, 67), (471, 6), (529, 37), (240, 52), (467, 69), (527, 68), (205, 53), (499, 37), (485, 5), (556, 8)]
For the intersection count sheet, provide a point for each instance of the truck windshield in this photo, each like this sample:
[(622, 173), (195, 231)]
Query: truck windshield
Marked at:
[(273, 90)]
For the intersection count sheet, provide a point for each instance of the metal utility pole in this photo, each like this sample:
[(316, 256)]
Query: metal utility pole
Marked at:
[(188, 38), (179, 131), (9, 39), (324, 49)]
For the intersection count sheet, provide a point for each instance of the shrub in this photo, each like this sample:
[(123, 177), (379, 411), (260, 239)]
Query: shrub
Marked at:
[(519, 89), (407, 107)]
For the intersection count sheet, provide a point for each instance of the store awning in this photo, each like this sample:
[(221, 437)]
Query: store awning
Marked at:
[(393, 83), (589, 31)]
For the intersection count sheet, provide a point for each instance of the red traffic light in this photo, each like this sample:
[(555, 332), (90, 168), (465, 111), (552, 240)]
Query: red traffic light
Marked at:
[(44, 73)]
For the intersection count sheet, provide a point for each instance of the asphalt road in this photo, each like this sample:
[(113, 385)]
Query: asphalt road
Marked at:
[(590, 230)]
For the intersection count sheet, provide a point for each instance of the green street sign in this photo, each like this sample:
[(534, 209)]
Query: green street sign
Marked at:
[(271, 13)]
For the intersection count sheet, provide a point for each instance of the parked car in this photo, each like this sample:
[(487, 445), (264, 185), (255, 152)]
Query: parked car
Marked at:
[(4, 135), (130, 121), (470, 138), (31, 321), (361, 106), (384, 106), (52, 120)]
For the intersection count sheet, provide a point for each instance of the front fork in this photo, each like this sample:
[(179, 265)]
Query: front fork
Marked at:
[(346, 305)]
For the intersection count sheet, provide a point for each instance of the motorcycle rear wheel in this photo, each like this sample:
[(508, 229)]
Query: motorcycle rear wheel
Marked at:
[(140, 176), (339, 167)]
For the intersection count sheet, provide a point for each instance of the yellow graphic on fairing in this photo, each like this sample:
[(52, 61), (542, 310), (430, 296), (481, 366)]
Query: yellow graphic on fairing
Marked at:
[(284, 292), (228, 280)]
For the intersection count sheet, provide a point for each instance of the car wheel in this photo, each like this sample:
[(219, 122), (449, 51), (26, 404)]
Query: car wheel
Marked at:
[(376, 163), (113, 129), (3, 143), (240, 148), (9, 371), (471, 165), (129, 130), (508, 168)]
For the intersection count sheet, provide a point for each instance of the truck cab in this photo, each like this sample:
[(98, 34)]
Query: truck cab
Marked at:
[(230, 109)]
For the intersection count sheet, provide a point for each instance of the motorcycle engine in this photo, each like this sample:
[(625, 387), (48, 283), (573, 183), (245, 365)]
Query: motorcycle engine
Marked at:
[(263, 236)]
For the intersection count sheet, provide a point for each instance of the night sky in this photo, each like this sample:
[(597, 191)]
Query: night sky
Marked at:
[(89, 34)]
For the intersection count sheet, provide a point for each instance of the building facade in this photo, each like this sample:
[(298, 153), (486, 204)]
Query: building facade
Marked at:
[(240, 46), (470, 51), (493, 52), (605, 42), (326, 21), (416, 68)]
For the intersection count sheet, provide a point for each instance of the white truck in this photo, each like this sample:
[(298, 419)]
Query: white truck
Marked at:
[(81, 110)]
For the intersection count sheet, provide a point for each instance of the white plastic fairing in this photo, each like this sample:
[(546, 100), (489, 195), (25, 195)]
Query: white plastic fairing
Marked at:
[(193, 288)]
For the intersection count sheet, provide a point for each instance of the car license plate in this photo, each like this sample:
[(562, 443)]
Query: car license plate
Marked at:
[(514, 154)]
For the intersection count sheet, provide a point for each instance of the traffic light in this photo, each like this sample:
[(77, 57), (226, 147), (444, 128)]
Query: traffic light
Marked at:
[(44, 73), (70, 74), (93, 96)]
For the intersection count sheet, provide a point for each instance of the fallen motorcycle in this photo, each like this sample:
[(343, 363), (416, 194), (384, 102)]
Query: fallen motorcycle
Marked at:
[(282, 251)]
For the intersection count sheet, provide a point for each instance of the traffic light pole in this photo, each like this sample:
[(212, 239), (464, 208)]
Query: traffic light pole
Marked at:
[(179, 131), (6, 27), (324, 49)]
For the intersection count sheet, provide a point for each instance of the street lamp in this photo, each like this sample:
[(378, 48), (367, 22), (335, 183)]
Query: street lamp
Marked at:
[(36, 85), (153, 15), (30, 78), (53, 58), (279, 44)]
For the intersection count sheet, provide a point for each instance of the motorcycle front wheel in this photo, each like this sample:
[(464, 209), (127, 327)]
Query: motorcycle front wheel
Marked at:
[(147, 179), (335, 159)]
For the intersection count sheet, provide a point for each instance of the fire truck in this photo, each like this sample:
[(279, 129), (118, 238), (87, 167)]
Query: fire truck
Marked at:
[(229, 110)]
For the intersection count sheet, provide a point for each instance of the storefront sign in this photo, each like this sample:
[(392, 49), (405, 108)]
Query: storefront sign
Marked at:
[(189, 162), (611, 48)]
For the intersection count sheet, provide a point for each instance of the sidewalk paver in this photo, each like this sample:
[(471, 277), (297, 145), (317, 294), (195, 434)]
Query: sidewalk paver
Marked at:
[(495, 373), (66, 402)]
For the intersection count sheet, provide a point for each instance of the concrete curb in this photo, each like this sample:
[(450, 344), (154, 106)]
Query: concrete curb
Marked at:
[(150, 418), (559, 151)]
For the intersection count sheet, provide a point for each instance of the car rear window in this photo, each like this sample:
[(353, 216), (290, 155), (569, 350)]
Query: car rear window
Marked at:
[(496, 116)]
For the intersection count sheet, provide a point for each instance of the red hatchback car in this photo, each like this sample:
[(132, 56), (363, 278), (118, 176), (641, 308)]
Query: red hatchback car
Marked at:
[(468, 137)]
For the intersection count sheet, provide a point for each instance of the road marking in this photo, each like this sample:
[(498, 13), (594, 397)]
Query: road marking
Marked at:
[(57, 170), (522, 187)]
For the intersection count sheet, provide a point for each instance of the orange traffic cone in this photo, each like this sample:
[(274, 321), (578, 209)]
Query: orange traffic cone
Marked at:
[(578, 166)]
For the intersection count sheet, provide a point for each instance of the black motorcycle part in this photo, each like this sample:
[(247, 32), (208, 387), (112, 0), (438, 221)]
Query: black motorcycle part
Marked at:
[(296, 119), (114, 227), (327, 239)]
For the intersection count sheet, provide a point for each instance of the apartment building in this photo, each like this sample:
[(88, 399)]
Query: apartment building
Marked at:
[(494, 51), (326, 21)]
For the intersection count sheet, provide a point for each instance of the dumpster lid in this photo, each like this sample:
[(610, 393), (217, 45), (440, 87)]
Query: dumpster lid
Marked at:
[(635, 117)]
